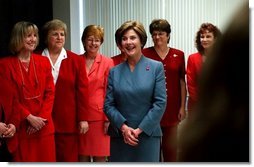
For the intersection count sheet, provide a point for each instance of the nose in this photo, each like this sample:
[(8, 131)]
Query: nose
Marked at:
[(128, 41), (58, 36), (34, 38)]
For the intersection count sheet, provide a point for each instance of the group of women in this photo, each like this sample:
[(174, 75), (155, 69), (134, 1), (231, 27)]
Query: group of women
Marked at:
[(66, 107)]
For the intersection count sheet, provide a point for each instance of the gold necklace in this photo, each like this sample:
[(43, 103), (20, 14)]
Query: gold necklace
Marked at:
[(23, 80)]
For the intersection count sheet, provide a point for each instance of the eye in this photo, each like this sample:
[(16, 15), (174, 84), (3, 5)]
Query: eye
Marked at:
[(124, 38)]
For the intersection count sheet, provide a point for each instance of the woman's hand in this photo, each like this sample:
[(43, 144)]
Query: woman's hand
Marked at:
[(11, 130), (106, 125), (3, 128), (30, 130), (83, 127), (36, 122), (129, 135), (137, 132), (182, 114)]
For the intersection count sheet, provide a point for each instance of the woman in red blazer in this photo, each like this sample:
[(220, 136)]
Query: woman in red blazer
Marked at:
[(71, 91), (32, 79), (9, 121), (95, 142), (174, 66), (205, 38)]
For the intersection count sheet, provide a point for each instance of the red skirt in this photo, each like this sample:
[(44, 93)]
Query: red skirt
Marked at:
[(37, 149), (95, 142)]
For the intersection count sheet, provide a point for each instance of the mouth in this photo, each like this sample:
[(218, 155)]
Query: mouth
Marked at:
[(130, 48)]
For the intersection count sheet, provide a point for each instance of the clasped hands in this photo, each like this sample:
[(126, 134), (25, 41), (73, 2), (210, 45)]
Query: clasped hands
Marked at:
[(130, 135), (36, 123), (7, 130)]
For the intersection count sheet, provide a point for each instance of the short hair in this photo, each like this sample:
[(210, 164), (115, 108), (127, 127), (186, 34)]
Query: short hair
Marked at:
[(203, 28), (54, 24), (134, 25), (19, 32), (94, 30), (160, 25)]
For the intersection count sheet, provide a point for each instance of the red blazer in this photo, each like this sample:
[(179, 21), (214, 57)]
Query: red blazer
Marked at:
[(194, 65), (71, 94), (40, 71), (98, 78), (9, 103), (174, 67)]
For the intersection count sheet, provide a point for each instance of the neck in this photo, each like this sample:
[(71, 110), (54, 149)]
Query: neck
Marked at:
[(162, 51), (24, 56), (161, 48), (90, 56), (133, 60), (205, 52), (54, 52)]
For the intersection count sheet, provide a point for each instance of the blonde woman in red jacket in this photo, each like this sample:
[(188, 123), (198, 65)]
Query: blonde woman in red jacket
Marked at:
[(32, 79), (205, 38), (71, 91), (95, 142)]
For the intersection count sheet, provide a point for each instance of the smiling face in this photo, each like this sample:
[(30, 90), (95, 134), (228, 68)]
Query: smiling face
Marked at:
[(30, 41), (92, 44), (207, 39), (131, 44)]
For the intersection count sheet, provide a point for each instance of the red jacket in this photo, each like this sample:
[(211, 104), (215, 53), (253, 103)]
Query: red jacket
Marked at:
[(9, 104), (98, 79), (71, 94), (44, 91), (194, 65)]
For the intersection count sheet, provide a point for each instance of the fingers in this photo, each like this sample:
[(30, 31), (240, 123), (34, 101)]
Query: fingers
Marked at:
[(30, 130), (10, 131), (83, 127), (83, 130), (106, 125), (131, 141), (129, 137), (37, 122)]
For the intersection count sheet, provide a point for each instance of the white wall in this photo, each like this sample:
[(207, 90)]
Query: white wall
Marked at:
[(185, 17)]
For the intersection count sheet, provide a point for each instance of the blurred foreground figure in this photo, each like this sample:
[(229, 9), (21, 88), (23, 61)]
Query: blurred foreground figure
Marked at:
[(219, 130)]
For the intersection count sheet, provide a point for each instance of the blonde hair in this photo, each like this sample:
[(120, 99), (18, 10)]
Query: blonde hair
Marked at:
[(19, 32), (54, 24)]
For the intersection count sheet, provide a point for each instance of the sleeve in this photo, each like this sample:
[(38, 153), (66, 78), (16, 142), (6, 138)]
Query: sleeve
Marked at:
[(183, 69), (81, 90), (110, 64), (114, 116), (10, 103), (191, 79), (49, 91), (5, 71), (15, 112), (154, 115)]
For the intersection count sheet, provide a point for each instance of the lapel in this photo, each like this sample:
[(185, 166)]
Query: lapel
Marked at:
[(15, 70), (95, 65)]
